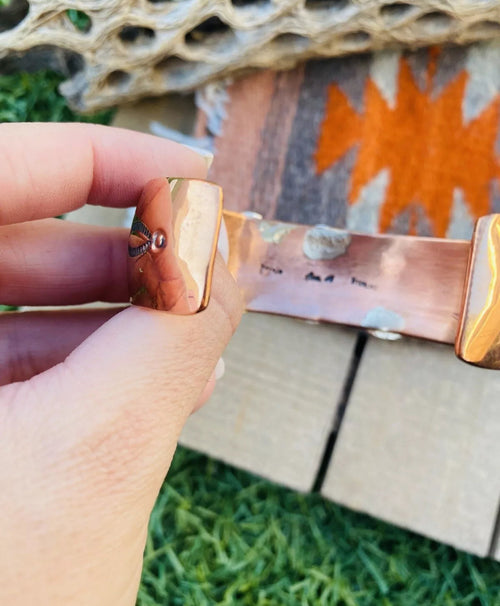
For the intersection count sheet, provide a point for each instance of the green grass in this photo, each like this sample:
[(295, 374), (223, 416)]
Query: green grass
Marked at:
[(35, 98), (222, 536)]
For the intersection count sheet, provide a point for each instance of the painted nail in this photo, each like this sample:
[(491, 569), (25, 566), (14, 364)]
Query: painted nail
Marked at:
[(223, 244), (220, 368)]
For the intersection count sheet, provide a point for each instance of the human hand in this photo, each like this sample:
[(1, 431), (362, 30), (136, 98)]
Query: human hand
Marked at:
[(91, 403)]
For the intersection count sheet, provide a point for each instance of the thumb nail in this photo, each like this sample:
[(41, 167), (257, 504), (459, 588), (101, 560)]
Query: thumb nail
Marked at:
[(220, 368), (223, 244)]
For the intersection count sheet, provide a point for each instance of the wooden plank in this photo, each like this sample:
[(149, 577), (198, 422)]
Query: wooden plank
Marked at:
[(419, 445), (272, 411)]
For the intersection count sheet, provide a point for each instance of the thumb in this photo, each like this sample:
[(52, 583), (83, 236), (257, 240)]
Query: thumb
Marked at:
[(85, 447), (111, 413)]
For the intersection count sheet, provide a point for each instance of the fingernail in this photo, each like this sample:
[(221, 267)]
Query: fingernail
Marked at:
[(209, 158), (196, 144), (207, 155), (223, 244), (220, 368)]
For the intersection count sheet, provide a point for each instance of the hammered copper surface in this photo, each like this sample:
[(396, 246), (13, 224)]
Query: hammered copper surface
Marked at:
[(398, 284), (172, 245)]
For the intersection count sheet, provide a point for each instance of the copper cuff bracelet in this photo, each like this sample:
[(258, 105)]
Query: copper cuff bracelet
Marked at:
[(441, 290), (172, 245)]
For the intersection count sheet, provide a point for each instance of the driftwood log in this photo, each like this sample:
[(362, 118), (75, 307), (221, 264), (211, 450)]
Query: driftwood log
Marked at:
[(119, 50)]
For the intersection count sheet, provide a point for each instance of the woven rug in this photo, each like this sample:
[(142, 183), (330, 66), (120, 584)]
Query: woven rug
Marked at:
[(388, 142)]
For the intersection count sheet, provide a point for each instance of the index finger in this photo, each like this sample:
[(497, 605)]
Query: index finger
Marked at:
[(48, 169)]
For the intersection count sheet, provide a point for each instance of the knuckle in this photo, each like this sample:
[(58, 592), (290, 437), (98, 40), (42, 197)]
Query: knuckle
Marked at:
[(17, 364)]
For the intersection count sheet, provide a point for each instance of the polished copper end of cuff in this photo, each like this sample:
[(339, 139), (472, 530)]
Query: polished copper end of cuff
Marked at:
[(478, 339), (173, 243)]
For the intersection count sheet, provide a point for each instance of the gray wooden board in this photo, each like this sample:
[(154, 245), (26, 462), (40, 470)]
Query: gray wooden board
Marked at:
[(419, 445), (272, 411)]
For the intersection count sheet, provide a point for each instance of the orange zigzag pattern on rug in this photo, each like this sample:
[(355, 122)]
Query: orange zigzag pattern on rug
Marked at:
[(424, 143)]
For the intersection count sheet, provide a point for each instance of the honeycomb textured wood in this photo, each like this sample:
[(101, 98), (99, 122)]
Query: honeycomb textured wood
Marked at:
[(121, 50)]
